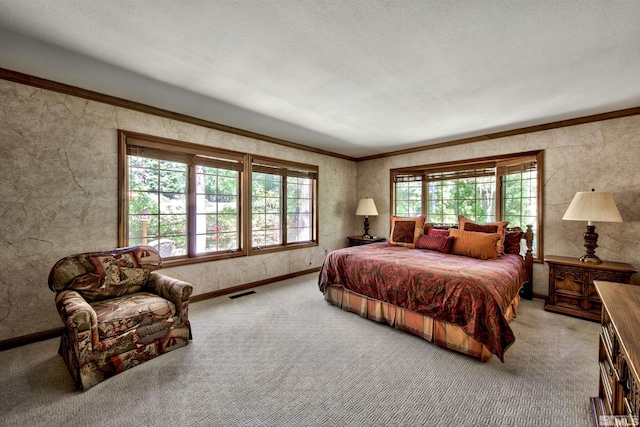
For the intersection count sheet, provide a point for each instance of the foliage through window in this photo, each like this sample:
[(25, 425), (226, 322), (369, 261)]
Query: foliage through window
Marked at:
[(470, 192), (157, 204), (283, 197), (504, 188), (217, 209)]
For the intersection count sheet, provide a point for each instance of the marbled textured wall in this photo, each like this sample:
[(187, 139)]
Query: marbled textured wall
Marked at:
[(603, 155), (58, 196)]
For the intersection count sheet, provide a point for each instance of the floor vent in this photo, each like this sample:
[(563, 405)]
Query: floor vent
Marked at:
[(241, 295)]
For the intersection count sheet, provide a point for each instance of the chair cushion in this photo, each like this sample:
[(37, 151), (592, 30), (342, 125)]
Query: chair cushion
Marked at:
[(119, 315)]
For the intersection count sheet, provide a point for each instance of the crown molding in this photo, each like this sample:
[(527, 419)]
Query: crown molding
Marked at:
[(41, 83), (519, 131)]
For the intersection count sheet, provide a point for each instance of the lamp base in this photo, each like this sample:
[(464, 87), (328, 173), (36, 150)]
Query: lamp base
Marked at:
[(591, 259), (591, 243), (367, 236)]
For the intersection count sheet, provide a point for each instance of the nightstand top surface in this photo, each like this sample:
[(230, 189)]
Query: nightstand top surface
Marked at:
[(575, 262), (365, 239)]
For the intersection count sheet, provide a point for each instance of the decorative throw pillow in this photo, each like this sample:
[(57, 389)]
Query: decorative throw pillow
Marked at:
[(66, 271), (405, 231), (103, 262), (499, 227), (512, 241), (148, 257), (124, 280), (90, 285), (474, 244), (435, 243), (480, 228), (437, 231)]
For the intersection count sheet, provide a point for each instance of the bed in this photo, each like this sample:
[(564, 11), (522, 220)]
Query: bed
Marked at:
[(463, 303)]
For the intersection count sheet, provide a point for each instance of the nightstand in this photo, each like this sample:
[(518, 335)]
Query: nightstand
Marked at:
[(571, 289), (359, 240)]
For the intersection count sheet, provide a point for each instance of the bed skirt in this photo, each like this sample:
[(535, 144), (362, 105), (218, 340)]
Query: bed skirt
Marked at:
[(443, 334)]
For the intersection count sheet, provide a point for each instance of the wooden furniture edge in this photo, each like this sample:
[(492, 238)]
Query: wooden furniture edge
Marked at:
[(621, 329), (605, 265)]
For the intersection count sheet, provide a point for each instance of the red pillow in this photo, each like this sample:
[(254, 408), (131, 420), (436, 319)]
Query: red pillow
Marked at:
[(438, 243), (405, 231), (480, 228), (437, 231), (512, 242)]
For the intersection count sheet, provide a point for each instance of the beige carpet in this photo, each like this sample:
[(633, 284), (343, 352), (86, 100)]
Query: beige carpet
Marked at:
[(285, 357)]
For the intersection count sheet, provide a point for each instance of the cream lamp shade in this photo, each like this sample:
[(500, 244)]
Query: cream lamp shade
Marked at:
[(592, 206), (366, 208)]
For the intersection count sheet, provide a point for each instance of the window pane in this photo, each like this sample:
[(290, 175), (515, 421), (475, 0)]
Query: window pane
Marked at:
[(471, 196), (266, 210), (157, 204), (173, 203), (299, 208), (217, 207), (408, 198), (519, 201)]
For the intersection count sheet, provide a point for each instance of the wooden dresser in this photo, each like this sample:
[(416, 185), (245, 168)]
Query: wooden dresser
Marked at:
[(618, 400), (571, 289)]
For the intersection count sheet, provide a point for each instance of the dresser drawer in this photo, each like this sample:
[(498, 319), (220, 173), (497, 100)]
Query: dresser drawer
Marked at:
[(618, 399), (607, 383)]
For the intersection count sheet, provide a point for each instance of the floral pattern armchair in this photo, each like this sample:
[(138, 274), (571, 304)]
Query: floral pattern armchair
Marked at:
[(117, 311)]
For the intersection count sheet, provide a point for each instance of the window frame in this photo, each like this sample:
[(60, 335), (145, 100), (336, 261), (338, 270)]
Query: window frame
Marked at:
[(159, 144), (284, 169), (501, 163)]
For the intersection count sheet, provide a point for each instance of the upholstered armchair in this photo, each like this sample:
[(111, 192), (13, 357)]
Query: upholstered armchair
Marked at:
[(117, 311)]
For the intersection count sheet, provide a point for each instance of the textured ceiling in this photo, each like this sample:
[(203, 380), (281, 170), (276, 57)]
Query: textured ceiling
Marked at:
[(355, 77)]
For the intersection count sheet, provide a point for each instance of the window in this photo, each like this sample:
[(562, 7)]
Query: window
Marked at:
[(266, 213), (193, 202), (300, 209), (408, 191), (217, 209), (157, 208), (504, 188), (283, 204), (468, 192), (520, 193), (182, 199)]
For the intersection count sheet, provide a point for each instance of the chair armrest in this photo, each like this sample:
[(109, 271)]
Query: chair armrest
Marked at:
[(76, 313), (172, 289)]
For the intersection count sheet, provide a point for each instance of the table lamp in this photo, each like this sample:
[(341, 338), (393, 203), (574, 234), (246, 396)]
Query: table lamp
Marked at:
[(592, 206), (366, 208)]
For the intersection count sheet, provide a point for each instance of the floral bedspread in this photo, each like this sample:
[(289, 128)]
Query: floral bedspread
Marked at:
[(468, 292)]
